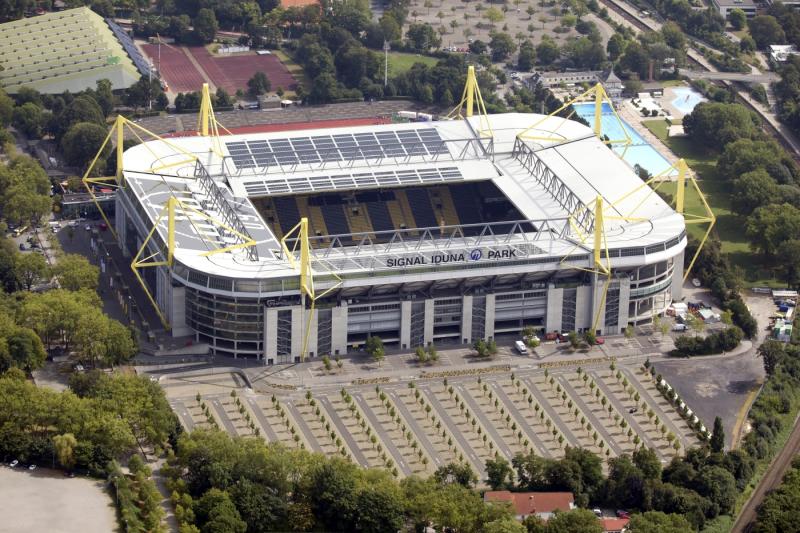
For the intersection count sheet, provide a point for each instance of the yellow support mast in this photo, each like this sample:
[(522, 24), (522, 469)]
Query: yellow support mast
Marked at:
[(596, 95), (168, 255), (470, 99), (303, 264), (207, 124)]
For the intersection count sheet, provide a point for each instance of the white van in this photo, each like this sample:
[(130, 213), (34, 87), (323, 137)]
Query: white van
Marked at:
[(521, 348)]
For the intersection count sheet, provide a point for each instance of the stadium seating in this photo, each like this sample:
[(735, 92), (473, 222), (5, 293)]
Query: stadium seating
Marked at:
[(287, 212), (335, 219), (465, 205), (379, 216), (421, 208)]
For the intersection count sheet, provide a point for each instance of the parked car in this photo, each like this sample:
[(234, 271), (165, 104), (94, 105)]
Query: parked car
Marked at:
[(14, 463), (621, 513), (599, 340), (521, 348), (680, 327), (597, 512), (31, 467), (88, 227)]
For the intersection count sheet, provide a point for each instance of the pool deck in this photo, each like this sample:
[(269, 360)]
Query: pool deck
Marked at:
[(634, 118)]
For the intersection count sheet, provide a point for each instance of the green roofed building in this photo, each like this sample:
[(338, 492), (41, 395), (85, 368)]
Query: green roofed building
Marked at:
[(67, 50)]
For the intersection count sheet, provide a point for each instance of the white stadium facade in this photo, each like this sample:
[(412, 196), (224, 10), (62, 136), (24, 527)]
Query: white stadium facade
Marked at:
[(437, 233)]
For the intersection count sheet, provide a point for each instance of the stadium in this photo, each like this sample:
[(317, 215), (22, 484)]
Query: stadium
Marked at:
[(305, 242)]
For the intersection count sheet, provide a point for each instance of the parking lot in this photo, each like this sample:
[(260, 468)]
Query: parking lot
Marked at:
[(46, 500)]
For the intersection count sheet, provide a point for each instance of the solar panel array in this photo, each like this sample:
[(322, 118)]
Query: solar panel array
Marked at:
[(332, 148), (377, 179), (142, 64)]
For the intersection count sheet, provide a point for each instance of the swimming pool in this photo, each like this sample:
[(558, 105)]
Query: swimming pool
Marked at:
[(639, 152), (685, 99)]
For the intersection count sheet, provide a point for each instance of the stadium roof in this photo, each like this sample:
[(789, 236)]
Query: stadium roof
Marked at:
[(65, 50), (571, 170)]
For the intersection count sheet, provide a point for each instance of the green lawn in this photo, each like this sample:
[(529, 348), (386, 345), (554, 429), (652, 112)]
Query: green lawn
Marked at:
[(294, 69), (730, 226), (400, 62)]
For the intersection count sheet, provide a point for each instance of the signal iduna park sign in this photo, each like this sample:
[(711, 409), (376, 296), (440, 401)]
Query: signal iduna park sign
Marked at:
[(456, 257)]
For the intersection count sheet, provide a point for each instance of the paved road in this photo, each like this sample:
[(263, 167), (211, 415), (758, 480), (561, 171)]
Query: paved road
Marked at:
[(343, 432), (454, 430), (415, 428), (269, 433), (488, 425), (767, 77), (229, 427), (770, 481), (383, 435), (632, 420), (571, 438), (303, 427), (183, 414), (597, 424), (527, 429)]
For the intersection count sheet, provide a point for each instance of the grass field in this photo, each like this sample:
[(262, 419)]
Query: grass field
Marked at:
[(294, 69), (730, 226), (400, 62)]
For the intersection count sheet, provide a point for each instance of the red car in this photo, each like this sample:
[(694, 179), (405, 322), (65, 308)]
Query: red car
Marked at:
[(599, 340)]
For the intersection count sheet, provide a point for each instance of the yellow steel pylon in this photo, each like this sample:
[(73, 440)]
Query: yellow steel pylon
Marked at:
[(683, 174), (207, 124), (301, 244), (168, 254), (597, 95), (469, 99)]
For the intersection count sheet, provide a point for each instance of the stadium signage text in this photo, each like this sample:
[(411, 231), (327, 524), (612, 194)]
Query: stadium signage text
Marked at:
[(459, 257)]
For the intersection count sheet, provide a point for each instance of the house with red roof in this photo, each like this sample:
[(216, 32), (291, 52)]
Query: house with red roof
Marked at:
[(541, 504), (614, 525)]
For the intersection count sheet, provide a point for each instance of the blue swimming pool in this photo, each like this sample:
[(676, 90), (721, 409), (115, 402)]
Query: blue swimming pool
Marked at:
[(639, 152), (686, 98)]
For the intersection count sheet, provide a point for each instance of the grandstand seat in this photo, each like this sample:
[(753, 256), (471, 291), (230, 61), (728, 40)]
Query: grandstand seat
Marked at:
[(421, 208), (287, 212), (380, 217), (464, 200), (335, 219)]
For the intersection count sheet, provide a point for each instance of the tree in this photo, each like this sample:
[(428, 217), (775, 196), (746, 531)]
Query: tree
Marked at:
[(478, 47), (216, 513), (422, 37), (498, 473), (24, 348), (766, 30), (502, 45), (29, 119), (574, 340), (74, 272), (717, 442), (379, 507), (527, 56), (771, 225), (82, 142), (575, 521), (753, 189), (737, 18), (30, 269), (547, 51), (493, 15), (6, 109), (658, 522), (504, 525), (715, 124), (648, 462), (65, 449), (258, 84), (459, 473), (789, 252), (615, 46), (719, 486), (205, 25)]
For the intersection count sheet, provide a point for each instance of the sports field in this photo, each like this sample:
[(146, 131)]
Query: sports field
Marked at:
[(187, 68)]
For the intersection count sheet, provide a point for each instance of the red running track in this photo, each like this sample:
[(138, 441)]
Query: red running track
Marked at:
[(176, 69)]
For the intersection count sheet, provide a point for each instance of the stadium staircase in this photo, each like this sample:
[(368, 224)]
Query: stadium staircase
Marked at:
[(447, 212), (359, 223), (315, 218), (406, 219)]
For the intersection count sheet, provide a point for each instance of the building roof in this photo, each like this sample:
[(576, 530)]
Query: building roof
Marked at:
[(614, 525), (548, 182), (528, 503), (741, 4), (65, 50)]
